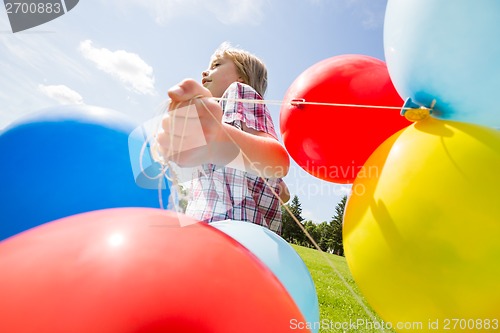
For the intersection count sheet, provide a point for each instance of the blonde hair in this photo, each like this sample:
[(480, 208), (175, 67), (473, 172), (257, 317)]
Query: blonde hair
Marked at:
[(251, 69)]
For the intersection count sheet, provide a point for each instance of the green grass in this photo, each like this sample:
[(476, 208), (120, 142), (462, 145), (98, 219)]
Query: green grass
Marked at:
[(340, 309)]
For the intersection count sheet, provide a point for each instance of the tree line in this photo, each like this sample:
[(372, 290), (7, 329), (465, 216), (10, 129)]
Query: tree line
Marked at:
[(327, 235)]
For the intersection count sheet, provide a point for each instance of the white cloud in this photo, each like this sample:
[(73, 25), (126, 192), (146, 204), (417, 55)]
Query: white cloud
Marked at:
[(127, 67), (237, 11), (370, 12), (26, 59), (226, 11), (38, 52), (61, 94), (165, 10), (308, 215), (372, 19)]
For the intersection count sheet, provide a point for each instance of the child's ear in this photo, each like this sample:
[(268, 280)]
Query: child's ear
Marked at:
[(240, 80)]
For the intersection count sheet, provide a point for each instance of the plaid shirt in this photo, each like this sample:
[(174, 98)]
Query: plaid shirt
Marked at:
[(221, 193)]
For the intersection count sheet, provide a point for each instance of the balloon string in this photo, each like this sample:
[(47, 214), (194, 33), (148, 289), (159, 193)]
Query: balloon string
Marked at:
[(165, 162), (165, 165), (158, 157), (154, 154), (358, 299), (299, 102)]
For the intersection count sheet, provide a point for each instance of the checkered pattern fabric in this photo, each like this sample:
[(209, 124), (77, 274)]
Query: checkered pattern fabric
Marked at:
[(220, 193)]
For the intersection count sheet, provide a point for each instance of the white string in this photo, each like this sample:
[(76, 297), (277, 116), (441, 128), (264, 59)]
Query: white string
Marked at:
[(358, 299), (175, 182), (158, 157), (299, 102)]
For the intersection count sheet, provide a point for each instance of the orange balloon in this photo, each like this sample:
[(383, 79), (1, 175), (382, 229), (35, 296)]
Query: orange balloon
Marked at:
[(136, 270)]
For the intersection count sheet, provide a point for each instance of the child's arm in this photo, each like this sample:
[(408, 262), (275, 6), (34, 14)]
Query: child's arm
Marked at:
[(284, 191), (218, 142)]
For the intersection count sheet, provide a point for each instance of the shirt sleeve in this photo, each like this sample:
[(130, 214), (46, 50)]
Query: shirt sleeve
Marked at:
[(255, 115)]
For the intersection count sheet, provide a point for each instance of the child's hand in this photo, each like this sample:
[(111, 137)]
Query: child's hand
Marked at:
[(193, 125), (194, 134)]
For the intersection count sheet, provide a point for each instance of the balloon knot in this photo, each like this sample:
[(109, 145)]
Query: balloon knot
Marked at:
[(413, 112), (417, 114), (297, 102)]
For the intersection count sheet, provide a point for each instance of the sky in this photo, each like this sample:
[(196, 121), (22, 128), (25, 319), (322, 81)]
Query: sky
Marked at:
[(125, 55)]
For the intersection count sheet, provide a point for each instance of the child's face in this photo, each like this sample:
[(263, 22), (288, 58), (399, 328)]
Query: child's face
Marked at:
[(221, 73)]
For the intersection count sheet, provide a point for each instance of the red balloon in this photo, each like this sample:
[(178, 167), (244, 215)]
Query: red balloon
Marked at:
[(136, 270), (333, 142)]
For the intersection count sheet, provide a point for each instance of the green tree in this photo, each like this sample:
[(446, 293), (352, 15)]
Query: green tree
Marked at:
[(321, 233), (311, 229), (336, 225), (324, 233), (291, 232)]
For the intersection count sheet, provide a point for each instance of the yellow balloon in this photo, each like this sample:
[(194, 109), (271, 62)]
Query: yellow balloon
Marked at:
[(422, 228)]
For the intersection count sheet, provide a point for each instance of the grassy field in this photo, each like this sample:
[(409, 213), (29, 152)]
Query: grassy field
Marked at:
[(342, 307)]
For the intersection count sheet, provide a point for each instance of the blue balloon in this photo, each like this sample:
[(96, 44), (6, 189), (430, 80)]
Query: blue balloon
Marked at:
[(282, 260), (64, 161), (447, 51)]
